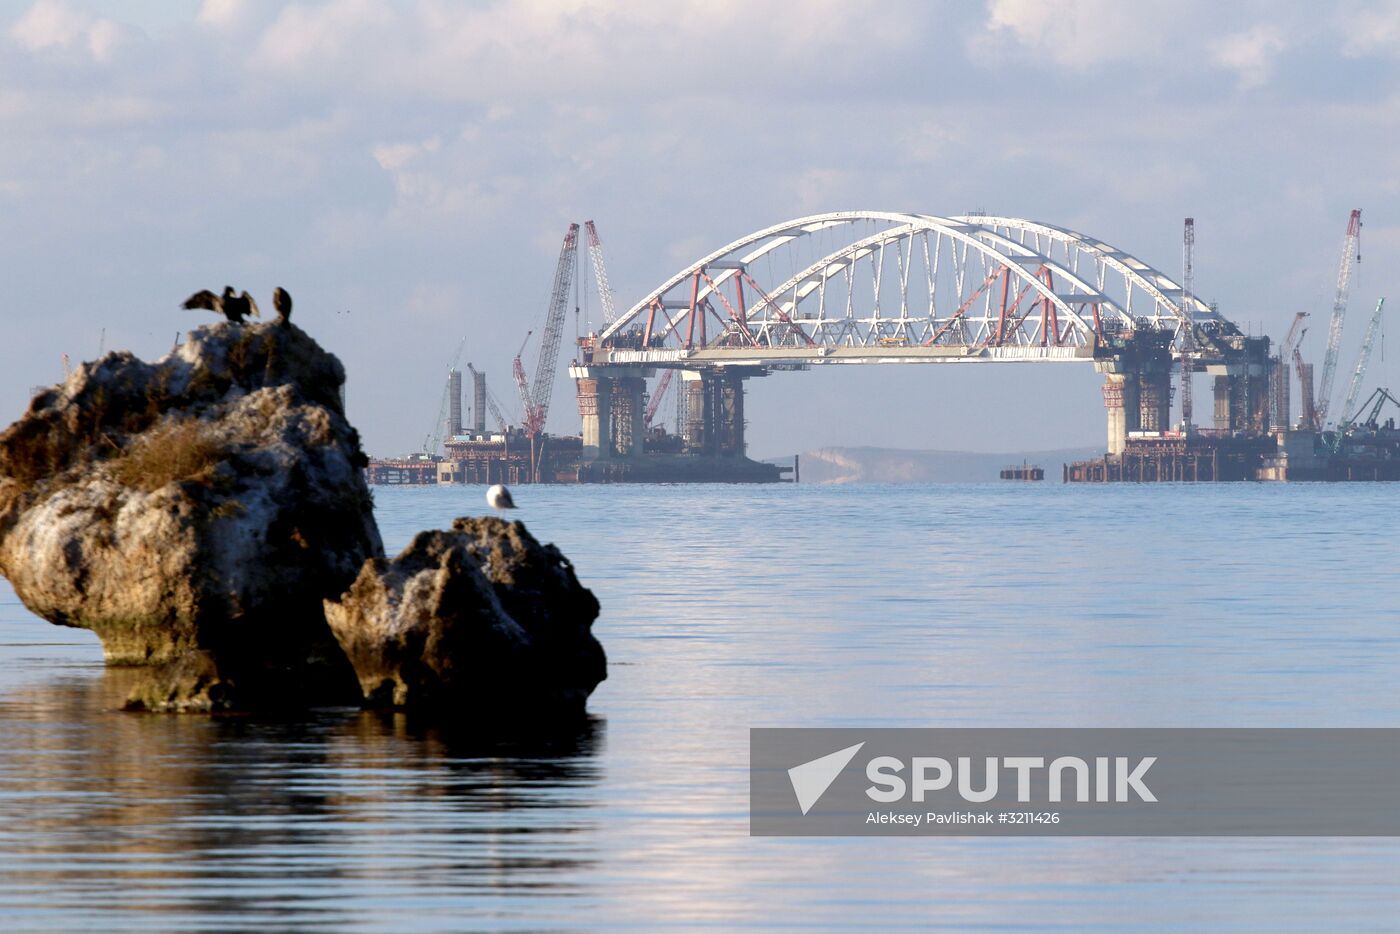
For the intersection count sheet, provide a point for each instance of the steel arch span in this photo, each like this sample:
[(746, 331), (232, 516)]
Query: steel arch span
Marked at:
[(874, 286)]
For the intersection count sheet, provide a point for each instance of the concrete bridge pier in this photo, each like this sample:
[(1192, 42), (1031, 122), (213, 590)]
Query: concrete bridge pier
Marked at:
[(1155, 395), (595, 407), (694, 432), (714, 423), (1120, 399), (612, 407), (730, 416), (1242, 386), (628, 415), (1137, 390)]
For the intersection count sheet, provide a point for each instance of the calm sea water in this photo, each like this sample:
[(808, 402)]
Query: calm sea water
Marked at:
[(725, 608)]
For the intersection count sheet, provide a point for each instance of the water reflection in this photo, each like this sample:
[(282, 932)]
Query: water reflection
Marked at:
[(241, 821)]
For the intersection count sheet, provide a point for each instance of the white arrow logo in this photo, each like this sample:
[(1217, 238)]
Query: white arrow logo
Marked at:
[(810, 780)]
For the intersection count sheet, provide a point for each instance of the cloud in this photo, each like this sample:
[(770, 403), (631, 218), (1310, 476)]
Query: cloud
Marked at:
[(396, 156), (1371, 27), (1169, 37), (1075, 33), (552, 49), (1250, 54), (52, 25), (234, 15), (816, 189), (49, 23)]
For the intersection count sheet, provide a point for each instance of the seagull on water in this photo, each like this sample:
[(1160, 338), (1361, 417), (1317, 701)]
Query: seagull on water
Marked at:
[(498, 498)]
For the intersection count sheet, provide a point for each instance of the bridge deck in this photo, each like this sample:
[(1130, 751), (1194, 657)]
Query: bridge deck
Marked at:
[(807, 356)]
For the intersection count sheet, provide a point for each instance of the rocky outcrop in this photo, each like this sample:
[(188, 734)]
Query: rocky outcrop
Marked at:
[(207, 514), (482, 620), (194, 513)]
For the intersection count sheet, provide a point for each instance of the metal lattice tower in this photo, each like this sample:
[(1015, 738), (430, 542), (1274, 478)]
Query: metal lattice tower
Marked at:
[(1283, 378), (1363, 359), (1351, 252), (662, 385), (1188, 342), (600, 273), (541, 390)]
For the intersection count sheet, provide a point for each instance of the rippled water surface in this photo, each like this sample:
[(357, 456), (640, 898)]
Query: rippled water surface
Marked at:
[(725, 608)]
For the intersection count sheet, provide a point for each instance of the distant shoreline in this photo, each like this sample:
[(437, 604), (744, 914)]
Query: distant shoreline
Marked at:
[(836, 465)]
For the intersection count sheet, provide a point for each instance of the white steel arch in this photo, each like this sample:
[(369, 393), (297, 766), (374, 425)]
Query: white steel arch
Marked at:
[(1163, 289), (988, 281), (1026, 265)]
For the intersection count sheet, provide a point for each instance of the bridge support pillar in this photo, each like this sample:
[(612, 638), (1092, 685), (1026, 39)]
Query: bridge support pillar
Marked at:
[(1257, 385), (730, 414), (1120, 400), (1137, 389), (1155, 396), (1242, 386), (714, 412), (1229, 402), (595, 407), (628, 415), (694, 431)]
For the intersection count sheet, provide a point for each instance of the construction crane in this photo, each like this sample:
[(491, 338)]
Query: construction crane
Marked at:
[(1363, 359), (1293, 335), (655, 404), (1375, 402), (492, 402), (1188, 343), (522, 382), (1282, 379), (1351, 254), (536, 396), (1305, 383), (600, 274)]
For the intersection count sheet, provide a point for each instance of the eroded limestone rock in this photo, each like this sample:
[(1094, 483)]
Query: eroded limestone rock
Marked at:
[(204, 504), (481, 621)]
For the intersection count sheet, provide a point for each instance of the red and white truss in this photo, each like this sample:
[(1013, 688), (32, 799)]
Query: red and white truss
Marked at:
[(984, 285)]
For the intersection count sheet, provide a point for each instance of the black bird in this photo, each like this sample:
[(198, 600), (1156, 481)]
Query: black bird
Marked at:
[(282, 301), (233, 307)]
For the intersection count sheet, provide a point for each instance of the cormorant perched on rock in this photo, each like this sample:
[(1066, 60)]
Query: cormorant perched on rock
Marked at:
[(233, 307), (282, 301)]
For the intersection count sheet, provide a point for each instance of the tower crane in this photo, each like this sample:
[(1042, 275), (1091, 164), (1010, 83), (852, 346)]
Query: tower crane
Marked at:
[(1363, 359), (1293, 336), (1188, 344), (600, 274), (492, 402), (536, 395), (1285, 357), (522, 382), (1305, 383), (1351, 253)]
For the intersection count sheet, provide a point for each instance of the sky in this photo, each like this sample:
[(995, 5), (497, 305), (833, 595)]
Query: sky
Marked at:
[(407, 170)]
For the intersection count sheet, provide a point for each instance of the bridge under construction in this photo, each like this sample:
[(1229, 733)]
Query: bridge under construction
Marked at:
[(870, 287), (874, 287)]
